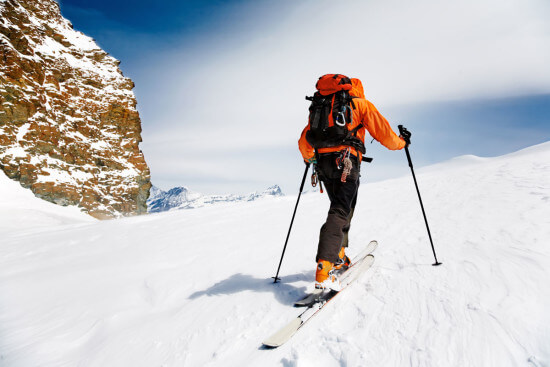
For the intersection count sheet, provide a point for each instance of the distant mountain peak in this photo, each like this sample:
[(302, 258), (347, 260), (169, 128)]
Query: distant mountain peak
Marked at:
[(274, 190), (181, 197)]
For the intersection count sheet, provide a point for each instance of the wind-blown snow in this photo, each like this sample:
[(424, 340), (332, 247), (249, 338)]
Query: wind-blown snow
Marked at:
[(193, 287)]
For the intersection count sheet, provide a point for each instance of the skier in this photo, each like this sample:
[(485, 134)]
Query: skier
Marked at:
[(333, 141)]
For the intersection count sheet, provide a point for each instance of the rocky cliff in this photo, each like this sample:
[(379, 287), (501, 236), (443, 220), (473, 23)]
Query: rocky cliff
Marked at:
[(69, 128)]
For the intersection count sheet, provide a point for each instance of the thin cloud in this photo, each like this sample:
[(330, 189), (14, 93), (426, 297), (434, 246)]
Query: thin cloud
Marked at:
[(243, 90)]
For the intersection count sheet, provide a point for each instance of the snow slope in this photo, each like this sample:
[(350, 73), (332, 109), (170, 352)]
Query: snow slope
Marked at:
[(193, 287), (20, 210)]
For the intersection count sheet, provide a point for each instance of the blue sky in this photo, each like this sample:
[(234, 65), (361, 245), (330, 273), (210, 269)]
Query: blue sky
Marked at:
[(221, 84)]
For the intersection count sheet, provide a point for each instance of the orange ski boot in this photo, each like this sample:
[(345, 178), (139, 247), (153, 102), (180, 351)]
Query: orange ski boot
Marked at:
[(343, 261), (325, 277)]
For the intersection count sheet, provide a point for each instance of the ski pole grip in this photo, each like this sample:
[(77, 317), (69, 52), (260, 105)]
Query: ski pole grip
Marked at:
[(405, 134), (403, 130)]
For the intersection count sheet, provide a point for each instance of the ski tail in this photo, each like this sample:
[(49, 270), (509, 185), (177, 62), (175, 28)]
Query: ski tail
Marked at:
[(286, 332)]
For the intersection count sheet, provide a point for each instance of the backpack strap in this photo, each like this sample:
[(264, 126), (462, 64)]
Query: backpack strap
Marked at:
[(356, 129)]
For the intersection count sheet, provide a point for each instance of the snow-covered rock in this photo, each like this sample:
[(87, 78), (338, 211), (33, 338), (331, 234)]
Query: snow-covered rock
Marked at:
[(69, 128), (183, 198)]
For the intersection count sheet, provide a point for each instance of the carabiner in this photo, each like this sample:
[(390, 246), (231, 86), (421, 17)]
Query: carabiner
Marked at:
[(340, 117)]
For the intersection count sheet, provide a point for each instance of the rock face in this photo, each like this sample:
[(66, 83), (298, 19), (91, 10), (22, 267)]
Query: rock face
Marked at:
[(69, 128), (183, 198)]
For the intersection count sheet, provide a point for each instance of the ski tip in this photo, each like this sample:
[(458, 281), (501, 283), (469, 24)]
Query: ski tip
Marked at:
[(267, 347), (282, 336)]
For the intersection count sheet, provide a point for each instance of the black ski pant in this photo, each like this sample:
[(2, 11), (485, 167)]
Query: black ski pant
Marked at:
[(343, 197)]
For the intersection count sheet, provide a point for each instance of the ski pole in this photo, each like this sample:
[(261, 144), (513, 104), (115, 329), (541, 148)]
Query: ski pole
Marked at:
[(276, 277), (406, 135)]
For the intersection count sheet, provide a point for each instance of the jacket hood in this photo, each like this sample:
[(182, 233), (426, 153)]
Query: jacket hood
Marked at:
[(357, 88)]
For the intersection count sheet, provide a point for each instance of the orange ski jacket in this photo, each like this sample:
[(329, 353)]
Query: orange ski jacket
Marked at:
[(367, 115)]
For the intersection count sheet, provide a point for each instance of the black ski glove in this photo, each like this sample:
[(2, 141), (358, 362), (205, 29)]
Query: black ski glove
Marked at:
[(405, 135)]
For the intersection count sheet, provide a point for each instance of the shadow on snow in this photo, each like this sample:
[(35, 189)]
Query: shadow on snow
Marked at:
[(284, 291)]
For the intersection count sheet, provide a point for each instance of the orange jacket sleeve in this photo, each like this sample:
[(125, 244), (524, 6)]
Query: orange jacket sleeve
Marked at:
[(305, 148), (379, 128)]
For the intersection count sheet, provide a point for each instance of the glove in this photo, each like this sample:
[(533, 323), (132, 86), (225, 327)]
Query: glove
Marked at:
[(406, 135), (311, 160)]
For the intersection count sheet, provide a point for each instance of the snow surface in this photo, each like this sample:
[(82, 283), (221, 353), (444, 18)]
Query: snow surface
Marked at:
[(21, 213), (193, 287)]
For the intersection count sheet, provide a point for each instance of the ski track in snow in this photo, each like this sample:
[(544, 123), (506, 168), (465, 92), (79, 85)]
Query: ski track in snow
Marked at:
[(193, 288)]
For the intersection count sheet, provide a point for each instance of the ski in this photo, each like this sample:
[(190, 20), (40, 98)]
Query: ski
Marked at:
[(317, 294), (287, 331)]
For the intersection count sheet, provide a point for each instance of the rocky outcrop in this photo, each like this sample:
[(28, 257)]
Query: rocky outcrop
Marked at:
[(69, 128)]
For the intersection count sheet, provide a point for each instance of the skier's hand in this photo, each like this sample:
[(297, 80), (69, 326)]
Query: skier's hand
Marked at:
[(311, 160), (406, 135)]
